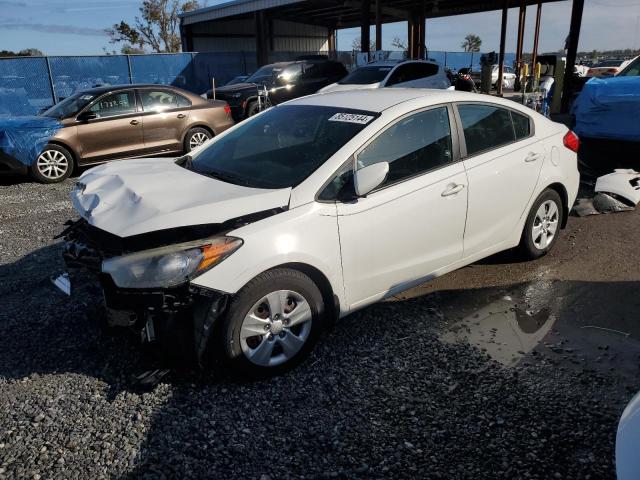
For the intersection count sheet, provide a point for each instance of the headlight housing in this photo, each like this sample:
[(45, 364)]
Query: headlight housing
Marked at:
[(171, 265)]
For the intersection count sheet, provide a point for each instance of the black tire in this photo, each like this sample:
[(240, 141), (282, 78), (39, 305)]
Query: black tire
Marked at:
[(230, 345), (53, 165), (195, 135), (252, 109), (528, 247)]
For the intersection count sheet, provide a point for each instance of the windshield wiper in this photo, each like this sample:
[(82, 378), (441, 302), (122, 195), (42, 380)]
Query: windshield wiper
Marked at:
[(227, 177)]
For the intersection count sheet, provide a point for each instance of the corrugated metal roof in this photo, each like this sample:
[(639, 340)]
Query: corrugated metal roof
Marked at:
[(234, 7)]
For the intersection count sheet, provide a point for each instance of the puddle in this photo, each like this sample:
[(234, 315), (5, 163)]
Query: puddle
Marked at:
[(507, 328)]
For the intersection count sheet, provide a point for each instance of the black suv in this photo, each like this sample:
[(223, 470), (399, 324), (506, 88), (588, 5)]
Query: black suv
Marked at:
[(284, 81)]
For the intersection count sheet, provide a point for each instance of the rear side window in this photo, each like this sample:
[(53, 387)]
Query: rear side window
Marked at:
[(412, 146), (158, 100), (183, 101), (521, 125), (485, 127)]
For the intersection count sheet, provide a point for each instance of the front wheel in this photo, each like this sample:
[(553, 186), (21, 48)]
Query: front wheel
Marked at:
[(272, 323), (196, 137), (542, 227), (53, 165)]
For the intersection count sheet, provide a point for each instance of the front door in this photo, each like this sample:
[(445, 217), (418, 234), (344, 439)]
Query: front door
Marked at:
[(115, 132), (413, 224), (164, 119), (503, 162)]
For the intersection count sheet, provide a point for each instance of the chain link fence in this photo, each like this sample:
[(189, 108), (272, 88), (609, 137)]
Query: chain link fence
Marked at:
[(29, 84)]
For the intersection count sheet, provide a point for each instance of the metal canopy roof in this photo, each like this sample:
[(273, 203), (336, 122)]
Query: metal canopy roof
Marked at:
[(346, 13)]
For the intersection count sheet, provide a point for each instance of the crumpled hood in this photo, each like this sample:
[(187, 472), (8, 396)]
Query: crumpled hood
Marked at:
[(132, 197)]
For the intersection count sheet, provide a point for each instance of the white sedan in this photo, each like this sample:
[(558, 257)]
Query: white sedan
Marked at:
[(396, 74), (314, 209)]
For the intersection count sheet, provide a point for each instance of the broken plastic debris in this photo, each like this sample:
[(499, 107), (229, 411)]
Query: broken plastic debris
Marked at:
[(621, 183), (605, 203)]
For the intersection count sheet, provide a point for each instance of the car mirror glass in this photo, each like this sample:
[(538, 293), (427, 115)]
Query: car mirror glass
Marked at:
[(370, 177)]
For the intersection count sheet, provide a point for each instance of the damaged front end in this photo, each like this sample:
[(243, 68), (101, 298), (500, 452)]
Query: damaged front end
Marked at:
[(148, 290)]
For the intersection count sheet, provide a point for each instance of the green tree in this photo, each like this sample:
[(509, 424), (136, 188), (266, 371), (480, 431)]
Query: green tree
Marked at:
[(471, 43), (157, 27)]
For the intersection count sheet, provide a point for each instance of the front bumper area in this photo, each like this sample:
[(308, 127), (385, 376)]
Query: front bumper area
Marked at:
[(179, 319)]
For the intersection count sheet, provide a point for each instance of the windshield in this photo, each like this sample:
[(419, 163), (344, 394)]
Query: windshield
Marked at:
[(264, 74), (366, 76), (281, 147), (609, 63), (69, 106), (632, 70)]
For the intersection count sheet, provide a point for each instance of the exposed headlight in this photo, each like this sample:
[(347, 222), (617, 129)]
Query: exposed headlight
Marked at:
[(169, 266)]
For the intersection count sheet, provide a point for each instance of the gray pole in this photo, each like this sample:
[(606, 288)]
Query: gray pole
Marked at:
[(129, 67), (51, 84)]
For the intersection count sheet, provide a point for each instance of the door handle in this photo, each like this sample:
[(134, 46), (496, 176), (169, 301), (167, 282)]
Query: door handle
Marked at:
[(181, 115), (134, 122), (452, 189), (532, 157)]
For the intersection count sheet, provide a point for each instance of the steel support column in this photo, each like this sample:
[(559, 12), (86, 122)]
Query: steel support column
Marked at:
[(421, 35), (521, 19), (503, 39), (262, 51), (536, 38), (378, 24), (365, 26), (331, 41), (572, 50)]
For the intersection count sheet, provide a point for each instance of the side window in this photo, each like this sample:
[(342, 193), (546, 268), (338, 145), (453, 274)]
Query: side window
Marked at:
[(485, 127), (120, 103), (400, 75), (183, 101), (521, 125), (158, 100), (426, 69), (412, 146), (341, 188)]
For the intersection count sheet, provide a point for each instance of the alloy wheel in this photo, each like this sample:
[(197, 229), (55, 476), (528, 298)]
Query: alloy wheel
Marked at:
[(545, 224), (52, 164), (197, 139), (276, 328)]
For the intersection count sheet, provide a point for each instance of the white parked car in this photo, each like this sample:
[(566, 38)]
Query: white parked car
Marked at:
[(607, 68), (313, 209), (398, 74), (508, 76)]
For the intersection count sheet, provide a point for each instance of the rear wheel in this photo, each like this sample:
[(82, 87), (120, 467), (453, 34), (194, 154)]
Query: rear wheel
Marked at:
[(53, 165), (272, 323), (252, 109), (542, 227), (196, 137)]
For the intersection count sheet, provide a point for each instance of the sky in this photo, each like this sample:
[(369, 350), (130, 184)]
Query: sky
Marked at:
[(76, 27)]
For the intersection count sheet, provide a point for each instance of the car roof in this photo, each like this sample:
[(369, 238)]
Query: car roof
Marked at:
[(393, 63), (126, 86), (379, 99)]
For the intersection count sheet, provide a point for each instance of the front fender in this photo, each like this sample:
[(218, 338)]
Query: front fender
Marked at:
[(307, 234)]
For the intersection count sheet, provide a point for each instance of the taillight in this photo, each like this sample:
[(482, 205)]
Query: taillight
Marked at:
[(571, 141), (227, 109)]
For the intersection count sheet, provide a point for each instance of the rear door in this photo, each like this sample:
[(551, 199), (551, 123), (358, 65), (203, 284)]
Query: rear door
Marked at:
[(165, 116), (115, 132), (503, 159)]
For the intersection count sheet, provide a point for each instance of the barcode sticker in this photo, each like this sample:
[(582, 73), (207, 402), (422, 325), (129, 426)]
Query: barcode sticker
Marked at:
[(351, 118)]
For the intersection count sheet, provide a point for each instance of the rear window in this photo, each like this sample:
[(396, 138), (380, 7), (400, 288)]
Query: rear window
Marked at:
[(366, 76), (485, 127)]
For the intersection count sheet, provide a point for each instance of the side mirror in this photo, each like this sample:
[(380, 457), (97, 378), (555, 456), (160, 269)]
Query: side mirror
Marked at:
[(87, 115), (370, 177)]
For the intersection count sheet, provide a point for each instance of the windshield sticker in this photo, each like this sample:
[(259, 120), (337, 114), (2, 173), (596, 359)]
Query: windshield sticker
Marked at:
[(351, 118), (86, 97)]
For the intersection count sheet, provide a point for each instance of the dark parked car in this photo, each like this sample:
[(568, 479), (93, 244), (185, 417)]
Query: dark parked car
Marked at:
[(106, 123), (284, 81)]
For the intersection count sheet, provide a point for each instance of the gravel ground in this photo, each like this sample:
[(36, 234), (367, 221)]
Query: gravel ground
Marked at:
[(385, 395)]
